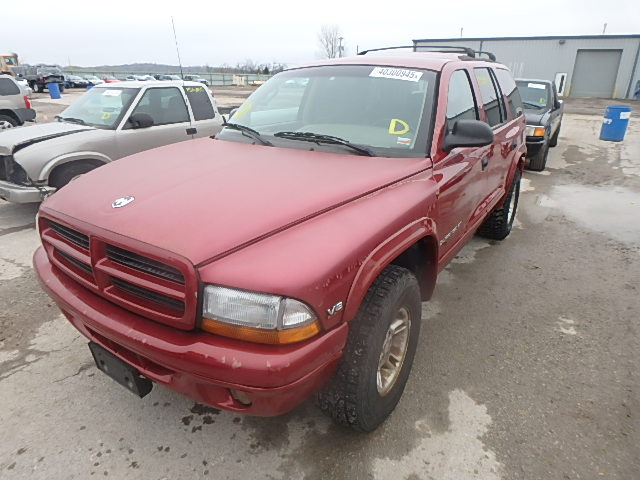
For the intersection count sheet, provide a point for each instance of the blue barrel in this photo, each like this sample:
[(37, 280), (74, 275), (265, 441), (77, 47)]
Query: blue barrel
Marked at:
[(614, 124), (54, 90), (89, 87)]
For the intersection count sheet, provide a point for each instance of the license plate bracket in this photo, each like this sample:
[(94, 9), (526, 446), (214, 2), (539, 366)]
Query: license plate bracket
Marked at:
[(123, 373)]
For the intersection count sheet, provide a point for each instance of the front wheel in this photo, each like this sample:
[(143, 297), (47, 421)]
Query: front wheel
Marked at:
[(36, 88), (499, 223), (379, 353), (538, 162), (65, 173)]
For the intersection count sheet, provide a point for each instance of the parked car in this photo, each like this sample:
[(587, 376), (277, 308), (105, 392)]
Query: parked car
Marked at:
[(24, 84), (39, 76), (109, 79), (106, 123), (167, 77), (93, 80), (543, 112), (291, 254), (196, 78), (15, 107), (75, 81)]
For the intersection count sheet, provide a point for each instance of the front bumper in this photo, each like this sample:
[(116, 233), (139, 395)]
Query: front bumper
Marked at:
[(15, 193), (199, 365)]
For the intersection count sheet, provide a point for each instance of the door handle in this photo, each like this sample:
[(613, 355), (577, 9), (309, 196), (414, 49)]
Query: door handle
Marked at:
[(192, 131), (484, 162)]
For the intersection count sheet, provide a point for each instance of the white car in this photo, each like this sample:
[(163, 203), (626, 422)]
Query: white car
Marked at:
[(108, 122)]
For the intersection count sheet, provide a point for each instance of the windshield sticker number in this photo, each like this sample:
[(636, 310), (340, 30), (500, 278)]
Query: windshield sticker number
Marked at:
[(539, 86), (396, 74), (404, 141), (194, 89), (105, 116), (398, 127), (112, 93), (243, 110)]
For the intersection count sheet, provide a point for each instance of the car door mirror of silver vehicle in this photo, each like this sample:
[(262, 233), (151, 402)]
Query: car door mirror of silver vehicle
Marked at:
[(468, 133), (140, 120)]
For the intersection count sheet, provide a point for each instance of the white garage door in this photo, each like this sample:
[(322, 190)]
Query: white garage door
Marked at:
[(595, 72)]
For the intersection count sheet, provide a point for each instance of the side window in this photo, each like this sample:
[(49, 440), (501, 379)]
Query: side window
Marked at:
[(460, 101), (510, 91), (8, 87), (200, 101), (165, 105), (490, 97)]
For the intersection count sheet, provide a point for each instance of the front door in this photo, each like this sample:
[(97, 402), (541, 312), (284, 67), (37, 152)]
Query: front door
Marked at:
[(171, 122)]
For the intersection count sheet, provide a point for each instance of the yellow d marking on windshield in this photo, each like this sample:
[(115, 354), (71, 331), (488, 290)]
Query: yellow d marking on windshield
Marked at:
[(106, 115), (393, 126), (243, 110)]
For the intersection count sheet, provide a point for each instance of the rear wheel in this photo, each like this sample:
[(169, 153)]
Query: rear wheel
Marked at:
[(65, 173), (498, 225), (7, 122), (379, 353), (36, 87)]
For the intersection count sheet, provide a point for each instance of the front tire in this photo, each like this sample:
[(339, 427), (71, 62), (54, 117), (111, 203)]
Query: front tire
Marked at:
[(379, 353), (65, 173), (538, 162), (499, 223), (36, 88)]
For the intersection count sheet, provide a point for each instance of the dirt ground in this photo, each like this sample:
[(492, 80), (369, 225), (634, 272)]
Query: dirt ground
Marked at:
[(527, 366)]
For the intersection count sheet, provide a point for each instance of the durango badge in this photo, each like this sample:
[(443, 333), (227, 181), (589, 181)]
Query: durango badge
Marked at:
[(122, 201)]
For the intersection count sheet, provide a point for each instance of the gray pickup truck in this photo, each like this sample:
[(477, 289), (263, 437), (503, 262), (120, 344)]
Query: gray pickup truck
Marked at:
[(543, 112), (108, 122)]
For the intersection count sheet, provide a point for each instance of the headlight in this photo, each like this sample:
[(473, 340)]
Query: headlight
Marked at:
[(534, 131), (256, 317)]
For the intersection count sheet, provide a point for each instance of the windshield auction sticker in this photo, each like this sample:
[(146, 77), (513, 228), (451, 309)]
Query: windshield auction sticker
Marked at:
[(396, 74)]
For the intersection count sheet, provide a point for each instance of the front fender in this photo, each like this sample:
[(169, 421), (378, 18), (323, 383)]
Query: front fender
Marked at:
[(384, 254), (70, 157)]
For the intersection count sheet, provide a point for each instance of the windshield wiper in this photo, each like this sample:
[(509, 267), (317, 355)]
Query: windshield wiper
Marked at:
[(70, 120), (249, 132), (319, 138)]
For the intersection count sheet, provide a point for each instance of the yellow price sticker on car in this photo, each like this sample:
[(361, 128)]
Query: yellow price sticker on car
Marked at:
[(398, 127), (105, 116)]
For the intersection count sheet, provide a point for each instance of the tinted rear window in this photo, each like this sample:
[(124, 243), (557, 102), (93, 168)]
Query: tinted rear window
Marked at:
[(8, 87), (200, 102)]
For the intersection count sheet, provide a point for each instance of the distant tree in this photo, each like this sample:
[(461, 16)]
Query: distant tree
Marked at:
[(265, 70), (329, 41)]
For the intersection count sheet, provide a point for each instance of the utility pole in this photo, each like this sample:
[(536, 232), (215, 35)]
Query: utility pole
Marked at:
[(461, 30), (604, 29)]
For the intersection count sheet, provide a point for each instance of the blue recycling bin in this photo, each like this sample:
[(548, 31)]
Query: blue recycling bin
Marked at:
[(614, 124), (54, 90), (89, 87)]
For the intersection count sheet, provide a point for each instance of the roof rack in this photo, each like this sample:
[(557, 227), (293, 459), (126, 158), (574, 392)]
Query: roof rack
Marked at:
[(435, 48), (470, 52)]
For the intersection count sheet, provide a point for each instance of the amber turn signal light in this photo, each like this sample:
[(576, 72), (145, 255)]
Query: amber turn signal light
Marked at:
[(259, 335)]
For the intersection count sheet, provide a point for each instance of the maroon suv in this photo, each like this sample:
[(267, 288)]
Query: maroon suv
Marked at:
[(290, 255)]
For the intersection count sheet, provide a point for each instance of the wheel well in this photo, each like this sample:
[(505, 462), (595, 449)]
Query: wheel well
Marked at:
[(421, 258), (59, 168), (10, 113)]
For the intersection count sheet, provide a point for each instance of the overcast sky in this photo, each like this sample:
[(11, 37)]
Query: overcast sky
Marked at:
[(108, 32)]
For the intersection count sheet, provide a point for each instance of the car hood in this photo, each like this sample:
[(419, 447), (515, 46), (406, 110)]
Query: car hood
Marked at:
[(206, 198), (535, 117), (15, 139)]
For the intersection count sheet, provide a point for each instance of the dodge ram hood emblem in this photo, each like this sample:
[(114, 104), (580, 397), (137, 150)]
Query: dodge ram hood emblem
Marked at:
[(122, 201)]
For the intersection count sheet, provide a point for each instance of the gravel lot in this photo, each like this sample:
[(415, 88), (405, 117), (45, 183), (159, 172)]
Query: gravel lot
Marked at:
[(527, 366)]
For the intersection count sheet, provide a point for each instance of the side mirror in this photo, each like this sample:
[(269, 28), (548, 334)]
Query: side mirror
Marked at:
[(468, 133), (140, 120)]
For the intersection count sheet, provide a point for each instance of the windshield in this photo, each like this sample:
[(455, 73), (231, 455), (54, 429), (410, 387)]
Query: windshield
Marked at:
[(384, 109), (534, 95), (100, 107)]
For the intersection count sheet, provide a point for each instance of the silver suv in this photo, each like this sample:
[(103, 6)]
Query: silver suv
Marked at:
[(15, 107), (108, 122)]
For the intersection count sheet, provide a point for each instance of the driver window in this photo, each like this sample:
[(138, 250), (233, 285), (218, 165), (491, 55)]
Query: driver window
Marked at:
[(164, 105), (461, 103)]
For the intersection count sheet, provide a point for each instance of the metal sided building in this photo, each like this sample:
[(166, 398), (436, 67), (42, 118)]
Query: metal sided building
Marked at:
[(604, 66)]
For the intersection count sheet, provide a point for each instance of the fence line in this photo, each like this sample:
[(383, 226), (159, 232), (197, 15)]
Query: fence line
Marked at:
[(215, 79)]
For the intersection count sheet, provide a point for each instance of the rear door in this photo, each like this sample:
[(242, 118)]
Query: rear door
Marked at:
[(206, 119), (505, 130), (171, 121)]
